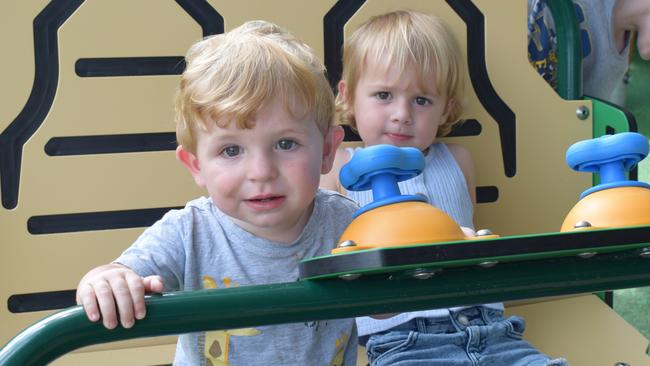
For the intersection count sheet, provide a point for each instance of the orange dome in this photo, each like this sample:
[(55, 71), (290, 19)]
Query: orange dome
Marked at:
[(614, 207), (404, 223)]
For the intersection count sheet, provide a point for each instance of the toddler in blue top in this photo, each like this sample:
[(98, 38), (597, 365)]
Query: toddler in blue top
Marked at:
[(402, 84)]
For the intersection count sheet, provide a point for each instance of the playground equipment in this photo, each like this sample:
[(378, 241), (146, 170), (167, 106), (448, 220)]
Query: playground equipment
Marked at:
[(616, 201), (78, 185), (401, 234)]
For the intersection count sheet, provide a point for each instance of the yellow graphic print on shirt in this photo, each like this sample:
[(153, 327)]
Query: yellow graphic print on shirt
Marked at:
[(217, 342), (339, 357)]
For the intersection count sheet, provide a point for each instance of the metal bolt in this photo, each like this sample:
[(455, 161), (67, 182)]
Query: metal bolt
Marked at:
[(582, 112), (484, 232), (581, 224), (347, 243), (350, 276), (488, 264), (423, 274), (645, 253), (621, 364), (587, 255)]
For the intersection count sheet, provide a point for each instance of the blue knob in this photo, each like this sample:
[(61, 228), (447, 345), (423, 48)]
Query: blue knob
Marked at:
[(611, 156), (380, 168)]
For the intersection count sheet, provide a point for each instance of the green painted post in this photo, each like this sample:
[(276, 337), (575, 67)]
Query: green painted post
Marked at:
[(569, 66)]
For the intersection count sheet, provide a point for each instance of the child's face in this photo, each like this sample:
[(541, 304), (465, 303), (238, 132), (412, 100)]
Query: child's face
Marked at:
[(390, 107), (264, 178)]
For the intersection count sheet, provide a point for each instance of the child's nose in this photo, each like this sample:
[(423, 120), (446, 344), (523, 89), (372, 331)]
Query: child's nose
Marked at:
[(401, 113), (261, 167)]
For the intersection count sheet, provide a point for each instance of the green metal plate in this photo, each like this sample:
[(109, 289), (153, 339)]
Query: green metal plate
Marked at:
[(484, 252)]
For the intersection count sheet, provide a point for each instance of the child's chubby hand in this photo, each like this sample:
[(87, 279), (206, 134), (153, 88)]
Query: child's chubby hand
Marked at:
[(113, 289)]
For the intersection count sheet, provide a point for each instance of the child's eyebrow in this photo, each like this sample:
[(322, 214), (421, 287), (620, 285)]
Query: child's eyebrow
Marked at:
[(296, 128), (378, 83)]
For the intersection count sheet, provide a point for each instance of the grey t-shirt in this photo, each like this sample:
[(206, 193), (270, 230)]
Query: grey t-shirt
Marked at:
[(200, 247)]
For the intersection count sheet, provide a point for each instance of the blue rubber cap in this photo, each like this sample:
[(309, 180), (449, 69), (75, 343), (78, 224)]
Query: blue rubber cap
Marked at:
[(611, 156), (380, 168)]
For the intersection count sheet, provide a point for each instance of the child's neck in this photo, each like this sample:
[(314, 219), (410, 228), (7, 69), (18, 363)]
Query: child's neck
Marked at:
[(284, 233)]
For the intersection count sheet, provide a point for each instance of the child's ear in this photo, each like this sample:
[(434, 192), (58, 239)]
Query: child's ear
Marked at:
[(342, 91), (332, 142), (191, 162)]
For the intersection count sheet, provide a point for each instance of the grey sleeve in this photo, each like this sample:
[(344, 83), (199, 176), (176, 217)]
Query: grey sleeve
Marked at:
[(160, 251)]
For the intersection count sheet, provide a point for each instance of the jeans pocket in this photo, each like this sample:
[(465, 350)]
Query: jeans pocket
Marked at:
[(382, 346)]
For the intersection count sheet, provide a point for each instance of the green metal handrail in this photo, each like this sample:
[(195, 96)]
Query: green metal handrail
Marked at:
[(301, 301)]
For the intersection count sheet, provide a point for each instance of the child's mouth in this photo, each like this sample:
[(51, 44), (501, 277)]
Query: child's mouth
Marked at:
[(264, 199), (265, 202), (398, 137)]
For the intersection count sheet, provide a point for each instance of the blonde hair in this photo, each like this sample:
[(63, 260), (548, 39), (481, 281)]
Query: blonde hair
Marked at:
[(402, 38), (231, 76)]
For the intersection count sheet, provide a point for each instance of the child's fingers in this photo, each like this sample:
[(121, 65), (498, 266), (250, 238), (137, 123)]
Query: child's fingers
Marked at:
[(154, 284), (123, 300), (86, 297), (106, 302), (137, 289)]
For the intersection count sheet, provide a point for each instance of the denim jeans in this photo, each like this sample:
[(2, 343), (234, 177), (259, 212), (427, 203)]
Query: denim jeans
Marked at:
[(472, 336)]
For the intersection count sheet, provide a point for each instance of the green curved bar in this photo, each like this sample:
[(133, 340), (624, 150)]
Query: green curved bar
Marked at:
[(569, 53), (302, 301)]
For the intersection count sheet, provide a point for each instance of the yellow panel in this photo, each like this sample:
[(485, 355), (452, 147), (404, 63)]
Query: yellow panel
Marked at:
[(154, 351), (84, 107), (546, 127), (584, 330)]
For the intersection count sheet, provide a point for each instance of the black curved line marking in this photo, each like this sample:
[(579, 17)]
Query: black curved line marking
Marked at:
[(110, 144), (209, 19), (469, 127), (129, 66), (40, 301), (105, 220), (333, 23), (107, 144), (46, 75), (487, 194), (488, 97)]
